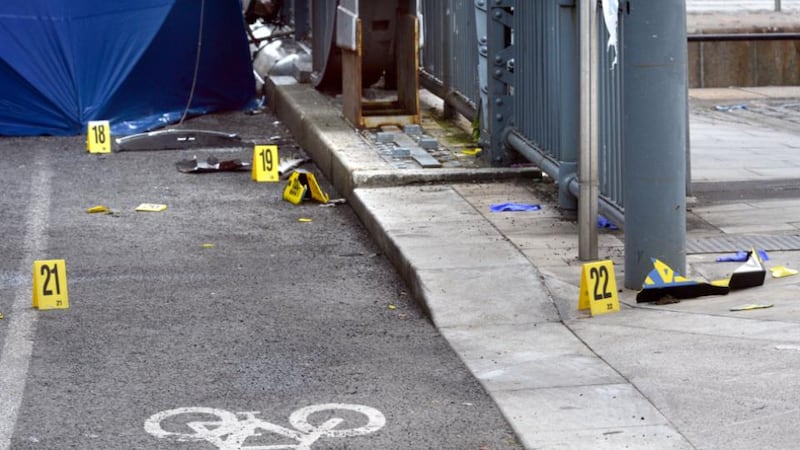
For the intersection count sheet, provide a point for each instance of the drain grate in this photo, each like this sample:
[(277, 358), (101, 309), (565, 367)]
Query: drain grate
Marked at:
[(733, 243)]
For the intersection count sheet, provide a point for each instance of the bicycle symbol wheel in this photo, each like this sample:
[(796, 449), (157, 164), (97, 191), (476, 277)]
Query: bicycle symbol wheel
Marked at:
[(300, 420)]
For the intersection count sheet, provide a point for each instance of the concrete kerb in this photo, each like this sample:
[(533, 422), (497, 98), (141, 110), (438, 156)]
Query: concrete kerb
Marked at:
[(436, 248)]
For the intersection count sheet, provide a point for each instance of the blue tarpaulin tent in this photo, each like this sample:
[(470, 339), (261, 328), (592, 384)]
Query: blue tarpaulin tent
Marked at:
[(133, 62)]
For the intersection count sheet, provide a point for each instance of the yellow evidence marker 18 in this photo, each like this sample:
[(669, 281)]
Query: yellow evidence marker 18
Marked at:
[(265, 164), (50, 284), (98, 136), (598, 291)]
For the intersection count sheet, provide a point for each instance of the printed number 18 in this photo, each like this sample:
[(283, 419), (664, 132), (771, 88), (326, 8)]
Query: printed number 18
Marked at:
[(99, 134)]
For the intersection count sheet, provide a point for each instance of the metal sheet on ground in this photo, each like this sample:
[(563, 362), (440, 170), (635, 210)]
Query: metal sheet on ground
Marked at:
[(224, 307)]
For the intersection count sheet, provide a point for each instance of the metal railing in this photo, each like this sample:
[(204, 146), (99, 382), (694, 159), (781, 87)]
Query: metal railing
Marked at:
[(546, 81)]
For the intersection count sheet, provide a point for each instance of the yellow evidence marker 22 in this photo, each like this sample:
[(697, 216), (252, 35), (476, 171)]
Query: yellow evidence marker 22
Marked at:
[(50, 284), (598, 291), (98, 136), (265, 164)]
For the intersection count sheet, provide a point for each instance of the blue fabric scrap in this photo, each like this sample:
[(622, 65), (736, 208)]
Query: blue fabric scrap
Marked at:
[(505, 207), (741, 256), (602, 222)]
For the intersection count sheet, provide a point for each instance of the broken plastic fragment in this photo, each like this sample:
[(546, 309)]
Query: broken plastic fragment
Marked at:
[(750, 274), (151, 207), (663, 282), (208, 246), (392, 307), (1, 316), (98, 209), (751, 307), (305, 220), (472, 151), (782, 271), (211, 164), (504, 207), (728, 108)]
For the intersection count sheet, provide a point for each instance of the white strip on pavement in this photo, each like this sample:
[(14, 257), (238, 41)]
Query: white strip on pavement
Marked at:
[(16, 353)]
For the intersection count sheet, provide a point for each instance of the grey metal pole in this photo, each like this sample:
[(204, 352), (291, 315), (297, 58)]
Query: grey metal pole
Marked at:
[(778, 6), (655, 65), (587, 165)]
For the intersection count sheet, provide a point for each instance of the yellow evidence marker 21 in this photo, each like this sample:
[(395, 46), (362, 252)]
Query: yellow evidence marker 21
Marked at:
[(265, 164), (98, 136), (598, 291), (50, 284)]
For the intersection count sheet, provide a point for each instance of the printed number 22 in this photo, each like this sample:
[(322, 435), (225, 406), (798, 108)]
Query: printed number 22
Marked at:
[(46, 272), (597, 274)]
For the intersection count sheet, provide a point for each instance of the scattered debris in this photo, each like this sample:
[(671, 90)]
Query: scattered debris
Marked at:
[(472, 151), (151, 207), (506, 207), (741, 256), (99, 209), (729, 108), (751, 307), (662, 282), (211, 164), (782, 272), (305, 220), (287, 165), (333, 202), (602, 222)]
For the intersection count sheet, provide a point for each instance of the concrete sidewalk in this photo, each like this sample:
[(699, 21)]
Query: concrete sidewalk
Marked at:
[(503, 287)]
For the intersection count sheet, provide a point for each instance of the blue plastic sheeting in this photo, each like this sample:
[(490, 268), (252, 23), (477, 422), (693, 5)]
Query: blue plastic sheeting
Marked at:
[(66, 62)]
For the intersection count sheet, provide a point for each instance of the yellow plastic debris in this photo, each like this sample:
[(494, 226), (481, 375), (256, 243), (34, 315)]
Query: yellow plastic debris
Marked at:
[(471, 151), (781, 272), (1, 316), (208, 246), (750, 307), (98, 209), (305, 220), (392, 307), (151, 207)]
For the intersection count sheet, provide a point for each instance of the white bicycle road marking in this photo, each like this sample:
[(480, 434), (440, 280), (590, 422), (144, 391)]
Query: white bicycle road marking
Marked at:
[(229, 432)]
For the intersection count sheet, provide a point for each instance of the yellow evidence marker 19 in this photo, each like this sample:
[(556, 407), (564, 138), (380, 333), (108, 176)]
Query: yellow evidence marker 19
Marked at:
[(265, 164), (50, 284), (598, 291), (98, 136)]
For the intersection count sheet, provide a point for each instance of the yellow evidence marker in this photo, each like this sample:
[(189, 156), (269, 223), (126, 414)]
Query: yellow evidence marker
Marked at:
[(265, 164), (98, 136), (50, 284), (598, 291)]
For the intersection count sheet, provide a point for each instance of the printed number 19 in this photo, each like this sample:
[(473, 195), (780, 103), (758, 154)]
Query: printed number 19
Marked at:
[(99, 134), (45, 271), (266, 160)]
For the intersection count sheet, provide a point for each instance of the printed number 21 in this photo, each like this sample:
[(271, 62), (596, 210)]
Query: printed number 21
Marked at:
[(46, 272), (597, 274)]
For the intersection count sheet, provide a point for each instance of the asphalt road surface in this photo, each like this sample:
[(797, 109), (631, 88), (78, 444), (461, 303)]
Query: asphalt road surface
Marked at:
[(182, 321)]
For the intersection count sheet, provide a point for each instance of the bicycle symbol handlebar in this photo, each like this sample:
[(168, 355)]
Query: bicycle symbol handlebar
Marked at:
[(227, 431)]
